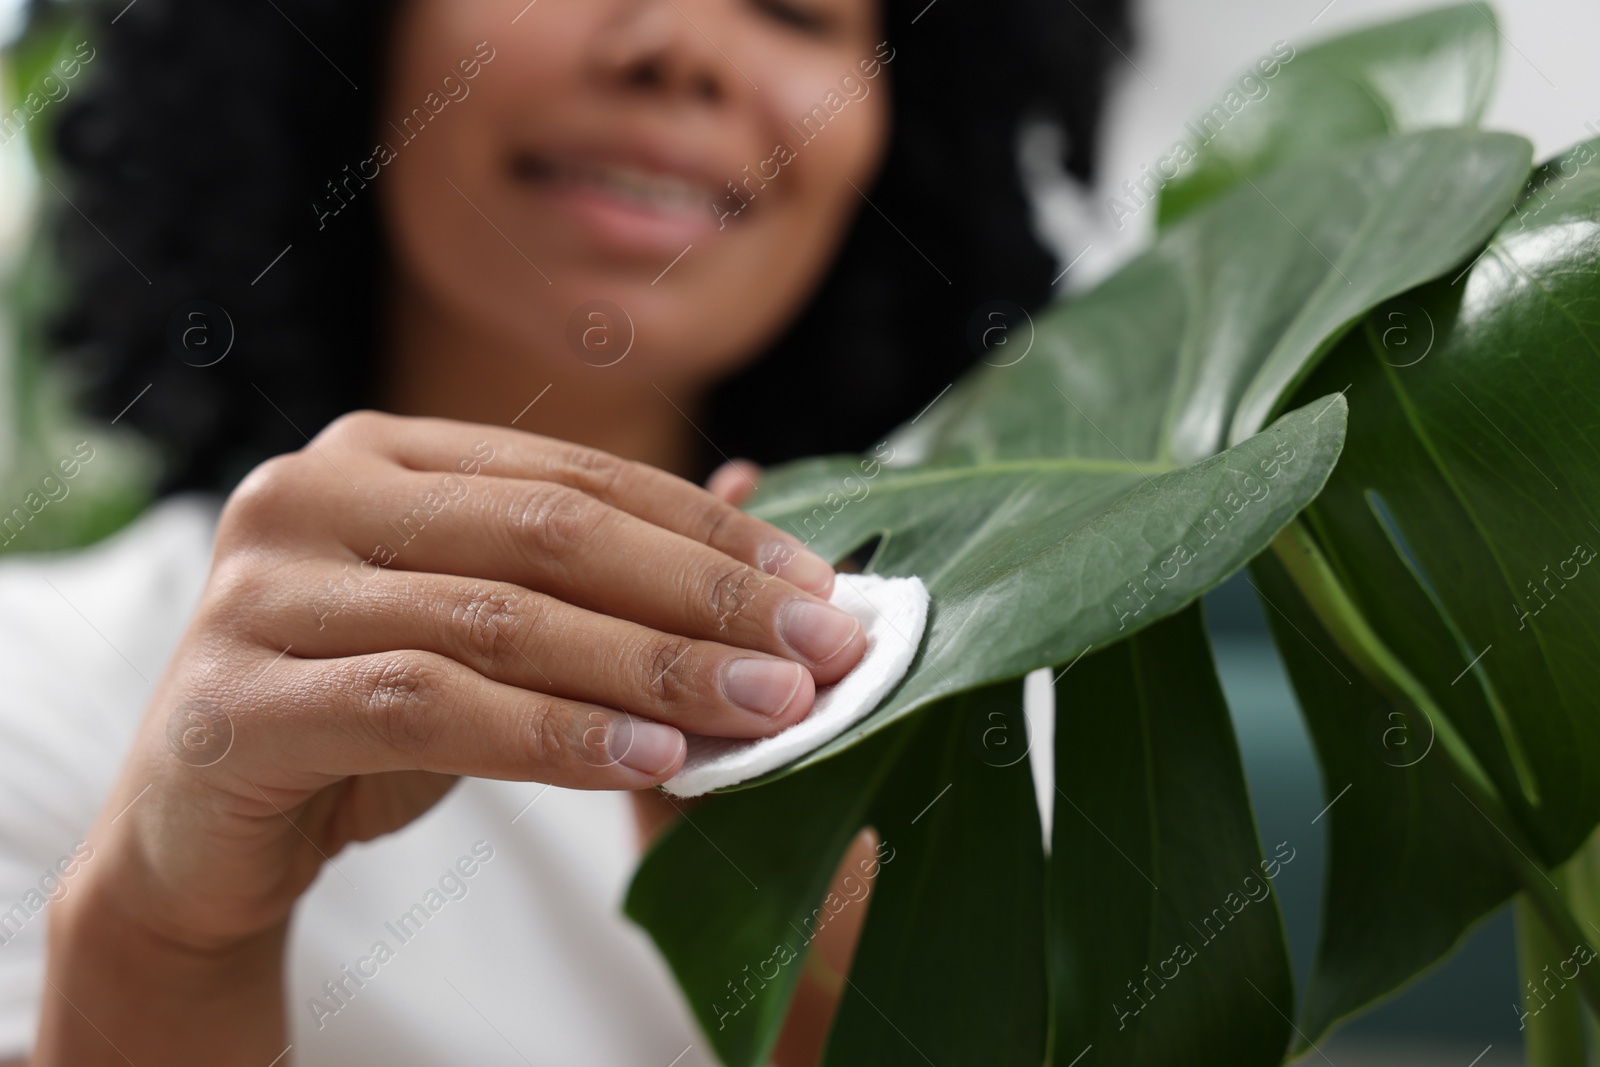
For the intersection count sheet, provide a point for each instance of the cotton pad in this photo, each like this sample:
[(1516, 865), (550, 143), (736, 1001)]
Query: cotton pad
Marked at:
[(893, 612)]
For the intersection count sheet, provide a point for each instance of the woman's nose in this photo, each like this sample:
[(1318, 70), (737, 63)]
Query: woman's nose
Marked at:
[(660, 46)]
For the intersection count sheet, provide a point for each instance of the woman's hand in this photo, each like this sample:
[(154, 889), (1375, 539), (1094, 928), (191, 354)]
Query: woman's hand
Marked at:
[(402, 602)]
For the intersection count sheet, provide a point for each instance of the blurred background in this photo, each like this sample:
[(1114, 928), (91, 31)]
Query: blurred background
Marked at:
[(1463, 1013)]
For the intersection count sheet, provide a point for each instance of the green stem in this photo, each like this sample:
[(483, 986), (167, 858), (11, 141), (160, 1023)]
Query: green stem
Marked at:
[(1325, 594), (1580, 885), (1552, 1023), (1328, 600), (1580, 882), (1540, 894)]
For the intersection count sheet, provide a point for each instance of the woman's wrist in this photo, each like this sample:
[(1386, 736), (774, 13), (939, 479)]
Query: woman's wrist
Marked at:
[(119, 990)]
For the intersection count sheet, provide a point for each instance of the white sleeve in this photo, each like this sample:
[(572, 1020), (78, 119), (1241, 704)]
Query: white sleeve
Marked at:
[(82, 637)]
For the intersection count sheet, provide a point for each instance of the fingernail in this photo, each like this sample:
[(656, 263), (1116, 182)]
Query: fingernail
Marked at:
[(647, 747), (764, 686), (799, 566), (817, 631)]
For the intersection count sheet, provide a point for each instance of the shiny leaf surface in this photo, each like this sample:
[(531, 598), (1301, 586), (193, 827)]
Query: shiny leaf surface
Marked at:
[(1430, 70), (951, 967), (1063, 501), (1461, 521), (1165, 932)]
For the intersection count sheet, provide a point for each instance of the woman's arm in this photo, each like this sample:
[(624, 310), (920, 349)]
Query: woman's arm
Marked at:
[(165, 1001), (826, 959)]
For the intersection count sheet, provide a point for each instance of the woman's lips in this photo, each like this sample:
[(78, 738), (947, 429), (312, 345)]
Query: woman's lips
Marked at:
[(625, 209)]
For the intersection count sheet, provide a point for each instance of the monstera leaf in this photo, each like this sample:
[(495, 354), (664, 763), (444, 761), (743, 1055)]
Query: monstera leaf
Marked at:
[(1031, 563), (1064, 502), (1166, 936), (1431, 70), (1070, 498), (961, 822), (1428, 515), (1461, 524), (738, 889)]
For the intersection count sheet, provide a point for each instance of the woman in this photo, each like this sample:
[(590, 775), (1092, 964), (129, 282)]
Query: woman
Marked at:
[(574, 252)]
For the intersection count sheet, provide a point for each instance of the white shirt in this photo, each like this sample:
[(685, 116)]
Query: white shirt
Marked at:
[(526, 960)]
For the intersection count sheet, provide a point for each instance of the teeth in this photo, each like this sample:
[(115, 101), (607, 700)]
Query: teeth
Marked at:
[(659, 192), (665, 193)]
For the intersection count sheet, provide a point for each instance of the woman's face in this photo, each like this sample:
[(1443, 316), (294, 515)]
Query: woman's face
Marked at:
[(665, 178)]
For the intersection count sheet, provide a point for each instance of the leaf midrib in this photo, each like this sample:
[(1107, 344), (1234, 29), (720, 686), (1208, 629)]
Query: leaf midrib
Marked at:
[(975, 470)]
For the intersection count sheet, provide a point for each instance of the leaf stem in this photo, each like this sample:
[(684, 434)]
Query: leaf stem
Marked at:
[(1325, 594), (1552, 1025)]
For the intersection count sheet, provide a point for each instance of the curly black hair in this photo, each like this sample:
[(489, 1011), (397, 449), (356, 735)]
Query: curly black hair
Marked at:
[(202, 131)]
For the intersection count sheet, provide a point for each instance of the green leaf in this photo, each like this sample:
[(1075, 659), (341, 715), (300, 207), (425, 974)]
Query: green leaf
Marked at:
[(50, 36), (1031, 563), (1196, 342), (1411, 867), (1050, 494), (734, 893), (1165, 935), (1476, 471), (951, 966), (1430, 200), (1470, 470), (1430, 70), (730, 893)]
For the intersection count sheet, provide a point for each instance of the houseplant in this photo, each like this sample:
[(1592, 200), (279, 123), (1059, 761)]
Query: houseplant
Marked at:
[(1358, 360)]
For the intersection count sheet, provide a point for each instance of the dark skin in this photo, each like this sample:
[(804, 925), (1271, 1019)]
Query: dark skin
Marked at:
[(566, 617)]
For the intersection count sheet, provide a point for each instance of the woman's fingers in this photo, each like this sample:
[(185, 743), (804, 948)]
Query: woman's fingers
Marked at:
[(411, 710), (512, 635), (564, 542), (734, 482), (438, 445)]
